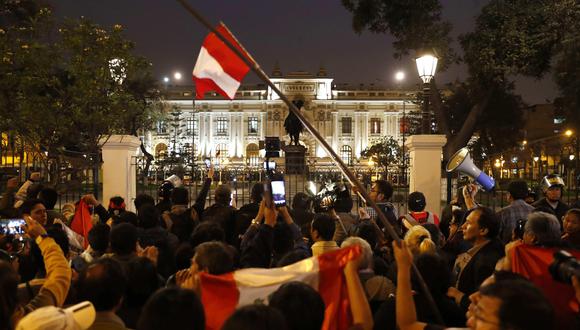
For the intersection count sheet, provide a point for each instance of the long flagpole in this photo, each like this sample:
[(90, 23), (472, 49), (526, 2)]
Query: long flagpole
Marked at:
[(342, 166)]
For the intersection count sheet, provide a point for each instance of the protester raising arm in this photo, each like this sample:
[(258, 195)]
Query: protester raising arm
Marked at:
[(58, 273), (199, 205), (359, 305), (406, 313), (257, 244)]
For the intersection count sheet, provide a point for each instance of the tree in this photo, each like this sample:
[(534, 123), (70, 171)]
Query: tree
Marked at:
[(386, 152), (511, 37), (66, 85)]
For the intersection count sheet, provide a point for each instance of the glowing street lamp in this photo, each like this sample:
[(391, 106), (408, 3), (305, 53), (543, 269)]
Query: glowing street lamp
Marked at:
[(569, 133), (177, 75), (426, 67)]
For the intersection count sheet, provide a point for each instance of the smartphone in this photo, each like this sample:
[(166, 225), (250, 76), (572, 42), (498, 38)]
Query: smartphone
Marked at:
[(12, 226), (207, 162), (278, 193)]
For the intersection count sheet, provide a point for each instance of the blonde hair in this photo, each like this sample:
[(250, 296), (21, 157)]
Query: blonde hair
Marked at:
[(419, 240)]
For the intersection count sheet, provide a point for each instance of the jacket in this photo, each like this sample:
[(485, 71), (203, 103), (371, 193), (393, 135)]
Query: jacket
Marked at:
[(225, 216), (560, 209)]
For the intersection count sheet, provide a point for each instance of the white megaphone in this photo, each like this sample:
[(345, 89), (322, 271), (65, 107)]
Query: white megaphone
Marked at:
[(461, 161)]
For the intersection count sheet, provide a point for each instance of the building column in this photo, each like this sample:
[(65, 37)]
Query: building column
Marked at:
[(119, 168), (335, 130), (365, 131), (241, 142), (425, 152)]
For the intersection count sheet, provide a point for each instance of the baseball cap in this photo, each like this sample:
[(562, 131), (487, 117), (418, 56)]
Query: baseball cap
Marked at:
[(77, 317)]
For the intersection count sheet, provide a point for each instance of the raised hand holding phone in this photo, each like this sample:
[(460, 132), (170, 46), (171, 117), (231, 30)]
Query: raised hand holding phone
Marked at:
[(33, 228)]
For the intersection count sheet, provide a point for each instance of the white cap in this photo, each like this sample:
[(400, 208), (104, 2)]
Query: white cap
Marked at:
[(77, 317)]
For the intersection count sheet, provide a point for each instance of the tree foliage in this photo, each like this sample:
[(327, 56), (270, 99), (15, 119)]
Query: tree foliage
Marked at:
[(386, 152), (511, 37), (66, 85)]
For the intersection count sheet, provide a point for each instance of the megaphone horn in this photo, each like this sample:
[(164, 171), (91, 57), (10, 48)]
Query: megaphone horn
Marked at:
[(461, 161)]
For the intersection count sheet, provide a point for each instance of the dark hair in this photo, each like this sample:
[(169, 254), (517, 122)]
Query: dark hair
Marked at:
[(148, 216), (488, 219), (103, 283), (518, 189), (117, 203), (172, 308), (416, 201), (293, 257), (8, 294), (301, 201), (49, 196), (223, 194), (386, 188), (123, 239), (324, 225), (366, 231), (343, 202), (436, 234), (183, 255), (57, 233), (215, 257), (283, 239), (434, 271), (179, 196), (126, 217), (256, 317), (504, 275), (99, 237), (575, 212), (33, 190), (301, 305), (206, 232), (143, 199), (29, 204), (257, 192), (143, 281), (520, 301)]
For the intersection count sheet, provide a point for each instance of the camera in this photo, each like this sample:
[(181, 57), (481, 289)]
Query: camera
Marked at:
[(564, 267), (328, 195)]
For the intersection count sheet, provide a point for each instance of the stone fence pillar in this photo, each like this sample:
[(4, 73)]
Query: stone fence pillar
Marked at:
[(119, 172), (425, 153)]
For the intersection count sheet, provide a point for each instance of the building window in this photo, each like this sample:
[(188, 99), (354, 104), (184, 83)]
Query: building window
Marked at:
[(253, 126), (375, 126), (222, 126), (191, 125), (221, 150), (253, 154), (346, 155), (346, 125), (160, 150), (161, 127)]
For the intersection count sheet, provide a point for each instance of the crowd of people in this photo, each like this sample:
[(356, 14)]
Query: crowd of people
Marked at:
[(473, 267)]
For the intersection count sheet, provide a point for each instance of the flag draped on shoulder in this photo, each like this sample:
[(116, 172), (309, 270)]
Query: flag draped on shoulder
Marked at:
[(222, 294), (218, 68)]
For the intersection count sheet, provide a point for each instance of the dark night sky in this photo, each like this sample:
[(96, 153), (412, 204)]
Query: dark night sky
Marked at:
[(299, 34)]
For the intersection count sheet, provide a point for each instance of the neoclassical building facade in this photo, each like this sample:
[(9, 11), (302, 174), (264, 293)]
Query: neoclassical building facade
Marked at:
[(349, 117)]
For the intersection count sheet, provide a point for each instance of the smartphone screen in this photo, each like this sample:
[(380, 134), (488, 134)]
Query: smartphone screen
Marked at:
[(278, 193), (12, 226), (207, 162)]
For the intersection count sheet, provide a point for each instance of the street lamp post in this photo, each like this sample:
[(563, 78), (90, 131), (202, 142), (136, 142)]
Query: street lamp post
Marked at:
[(426, 66), (399, 77)]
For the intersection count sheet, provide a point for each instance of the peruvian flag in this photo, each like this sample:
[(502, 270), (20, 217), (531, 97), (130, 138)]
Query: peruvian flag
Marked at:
[(222, 294), (218, 68), (532, 262)]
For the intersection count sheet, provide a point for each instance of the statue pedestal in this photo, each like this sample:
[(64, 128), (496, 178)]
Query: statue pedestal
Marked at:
[(295, 159)]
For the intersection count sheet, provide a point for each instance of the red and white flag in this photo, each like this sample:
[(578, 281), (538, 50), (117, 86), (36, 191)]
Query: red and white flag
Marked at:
[(218, 68), (222, 294)]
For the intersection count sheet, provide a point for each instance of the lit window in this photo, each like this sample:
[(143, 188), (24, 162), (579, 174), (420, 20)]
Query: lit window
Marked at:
[(375, 126), (161, 127), (346, 155), (252, 125), (191, 125), (222, 150), (222, 126)]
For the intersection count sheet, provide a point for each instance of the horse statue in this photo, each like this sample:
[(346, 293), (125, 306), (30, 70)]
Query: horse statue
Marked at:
[(293, 125)]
